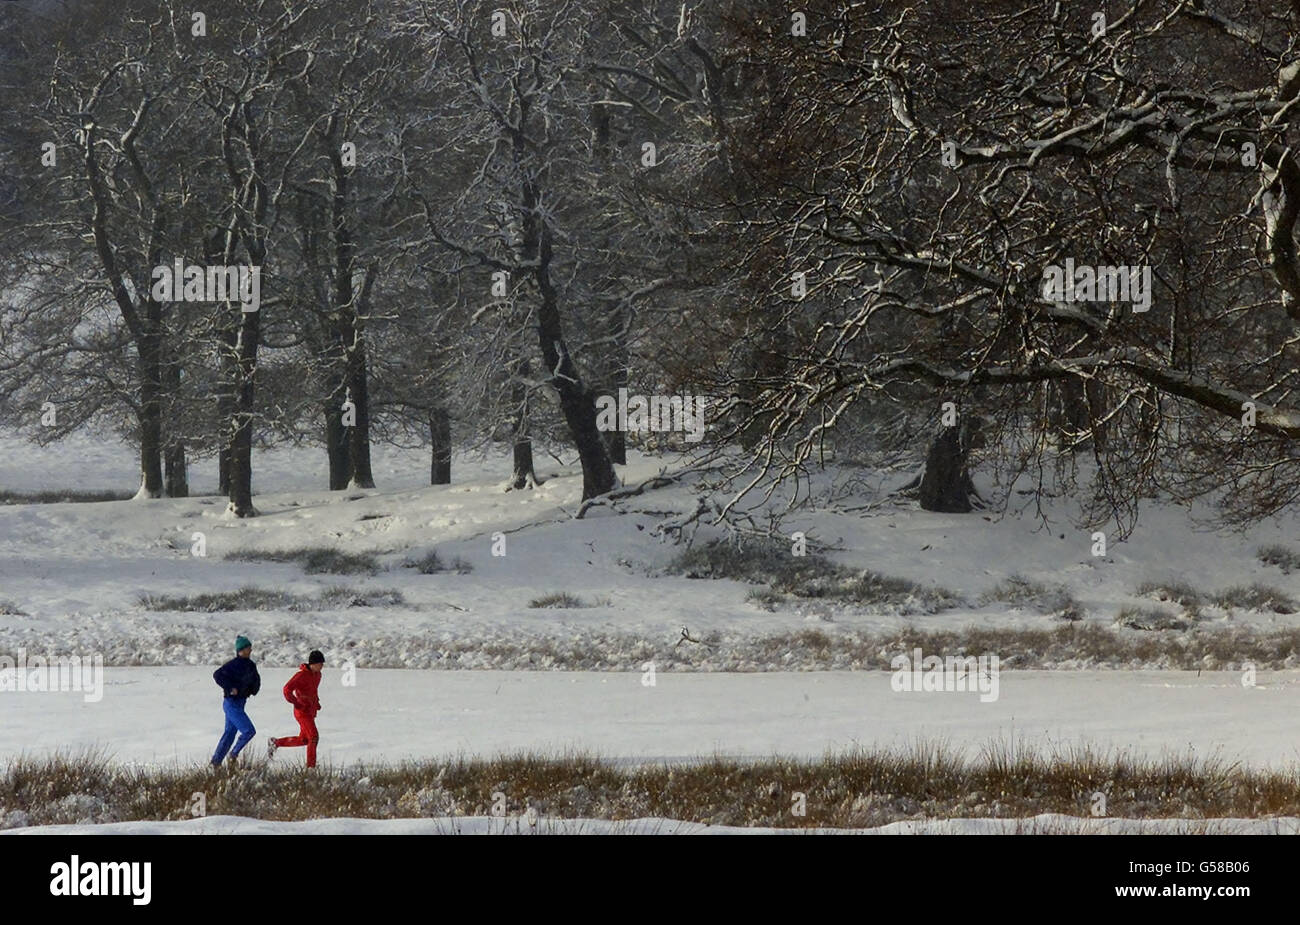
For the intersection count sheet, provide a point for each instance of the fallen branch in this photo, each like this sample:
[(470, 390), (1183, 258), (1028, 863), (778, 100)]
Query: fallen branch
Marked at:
[(618, 494), (687, 637)]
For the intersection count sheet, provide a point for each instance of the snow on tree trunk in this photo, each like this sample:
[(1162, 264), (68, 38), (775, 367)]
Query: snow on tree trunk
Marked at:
[(577, 402), (522, 475)]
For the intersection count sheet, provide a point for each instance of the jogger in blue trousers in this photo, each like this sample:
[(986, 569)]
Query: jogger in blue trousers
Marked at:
[(238, 680)]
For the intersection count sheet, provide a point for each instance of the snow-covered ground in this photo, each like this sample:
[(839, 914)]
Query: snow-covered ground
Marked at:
[(73, 578), (170, 716), (76, 573)]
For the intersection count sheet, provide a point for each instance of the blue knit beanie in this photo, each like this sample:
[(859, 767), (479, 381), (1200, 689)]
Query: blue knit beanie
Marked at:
[(242, 643)]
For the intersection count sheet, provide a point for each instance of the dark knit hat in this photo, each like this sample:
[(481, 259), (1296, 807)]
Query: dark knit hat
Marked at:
[(242, 643), (315, 658)]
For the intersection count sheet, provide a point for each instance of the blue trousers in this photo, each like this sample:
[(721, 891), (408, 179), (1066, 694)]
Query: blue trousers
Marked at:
[(236, 721)]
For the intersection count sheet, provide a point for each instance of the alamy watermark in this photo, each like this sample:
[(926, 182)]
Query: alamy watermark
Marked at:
[(56, 673), (193, 283), (76, 877), (657, 413), (1084, 283), (919, 672)]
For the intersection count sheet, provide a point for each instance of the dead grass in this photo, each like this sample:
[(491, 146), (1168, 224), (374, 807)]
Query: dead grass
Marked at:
[(855, 789), (337, 597), (1083, 644), (431, 564), (1256, 597), (1151, 618), (765, 598), (1018, 591), (315, 560), (810, 577), (559, 599), (63, 496), (1284, 557), (1174, 592)]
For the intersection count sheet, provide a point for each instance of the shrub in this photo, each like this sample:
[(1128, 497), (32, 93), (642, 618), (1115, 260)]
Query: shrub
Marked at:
[(1283, 557), (558, 599), (315, 560), (431, 564), (1151, 618), (251, 598), (811, 576), (758, 561), (63, 496), (1019, 591), (1175, 592), (1256, 597), (765, 598)]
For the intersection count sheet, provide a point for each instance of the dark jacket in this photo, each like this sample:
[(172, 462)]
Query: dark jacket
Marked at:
[(301, 691), (239, 674)]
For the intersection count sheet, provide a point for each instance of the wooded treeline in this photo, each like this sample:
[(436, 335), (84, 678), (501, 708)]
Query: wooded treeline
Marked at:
[(473, 219)]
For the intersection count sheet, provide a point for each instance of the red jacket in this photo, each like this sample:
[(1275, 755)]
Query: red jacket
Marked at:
[(301, 690)]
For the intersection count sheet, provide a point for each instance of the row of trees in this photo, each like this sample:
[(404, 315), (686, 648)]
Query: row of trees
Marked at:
[(832, 221), (451, 206), (926, 162)]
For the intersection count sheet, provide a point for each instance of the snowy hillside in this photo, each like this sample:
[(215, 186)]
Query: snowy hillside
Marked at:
[(118, 579), (99, 576)]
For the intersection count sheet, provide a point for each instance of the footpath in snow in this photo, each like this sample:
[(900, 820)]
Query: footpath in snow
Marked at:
[(168, 716)]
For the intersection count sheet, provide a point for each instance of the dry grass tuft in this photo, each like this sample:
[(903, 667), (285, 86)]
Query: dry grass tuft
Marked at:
[(856, 789)]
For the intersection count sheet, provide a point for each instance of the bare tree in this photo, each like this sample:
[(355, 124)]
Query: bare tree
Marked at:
[(927, 166)]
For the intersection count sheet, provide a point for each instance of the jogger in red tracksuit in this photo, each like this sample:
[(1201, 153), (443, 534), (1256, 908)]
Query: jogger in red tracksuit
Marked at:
[(301, 692)]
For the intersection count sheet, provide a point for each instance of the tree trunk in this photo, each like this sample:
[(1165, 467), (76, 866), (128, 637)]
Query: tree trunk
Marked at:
[(346, 301), (1068, 410), (616, 320), (765, 367), (1095, 391), (576, 399), (440, 441), (616, 444), (175, 471), (177, 475), (213, 254), (577, 402), (946, 485), (616, 440), (1149, 419), (333, 358), (223, 468), (522, 475), (241, 442), (226, 388), (359, 433), (252, 200), (150, 416), (336, 443)]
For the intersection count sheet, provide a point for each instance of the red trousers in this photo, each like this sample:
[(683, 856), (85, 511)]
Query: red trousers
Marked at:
[(307, 735)]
